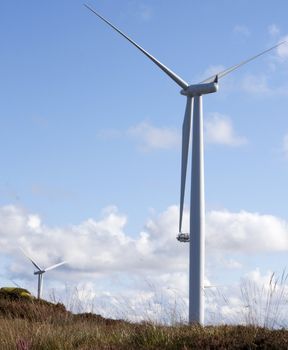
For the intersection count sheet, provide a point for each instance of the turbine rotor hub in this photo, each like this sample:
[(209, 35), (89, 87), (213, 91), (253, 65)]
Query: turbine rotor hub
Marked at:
[(200, 89)]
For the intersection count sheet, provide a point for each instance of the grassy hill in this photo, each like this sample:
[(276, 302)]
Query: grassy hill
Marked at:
[(30, 324)]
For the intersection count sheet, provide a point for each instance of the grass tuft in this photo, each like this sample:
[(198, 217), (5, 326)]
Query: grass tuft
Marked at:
[(39, 325)]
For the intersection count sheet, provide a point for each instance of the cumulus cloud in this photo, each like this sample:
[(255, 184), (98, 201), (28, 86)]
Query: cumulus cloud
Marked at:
[(151, 137), (98, 246), (264, 297), (282, 50), (258, 278), (147, 136), (259, 85), (258, 299), (246, 232), (256, 84), (211, 71), (231, 263), (94, 245), (145, 271), (219, 129)]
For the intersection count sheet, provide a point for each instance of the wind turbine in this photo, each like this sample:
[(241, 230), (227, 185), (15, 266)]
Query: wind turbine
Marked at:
[(40, 273), (196, 237)]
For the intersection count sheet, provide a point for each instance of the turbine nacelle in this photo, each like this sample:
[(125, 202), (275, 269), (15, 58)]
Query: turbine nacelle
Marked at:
[(39, 272), (200, 89)]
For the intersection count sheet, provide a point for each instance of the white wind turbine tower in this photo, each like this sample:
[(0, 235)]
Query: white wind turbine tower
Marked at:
[(40, 273), (196, 238)]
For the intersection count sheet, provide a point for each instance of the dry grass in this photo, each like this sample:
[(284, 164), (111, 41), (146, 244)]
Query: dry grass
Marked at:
[(92, 335), (266, 305), (30, 324), (38, 325)]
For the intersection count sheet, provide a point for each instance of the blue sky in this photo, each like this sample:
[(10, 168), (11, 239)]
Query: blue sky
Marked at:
[(90, 130)]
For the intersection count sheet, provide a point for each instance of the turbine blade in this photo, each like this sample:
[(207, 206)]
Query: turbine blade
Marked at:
[(236, 66), (165, 69), (16, 284), (33, 262), (186, 130), (54, 266)]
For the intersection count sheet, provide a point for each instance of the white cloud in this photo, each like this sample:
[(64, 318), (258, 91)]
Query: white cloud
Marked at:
[(211, 71), (97, 246), (142, 276), (219, 129), (231, 263), (151, 137), (265, 298), (256, 277), (147, 136), (258, 299), (241, 29), (273, 30), (282, 50), (259, 85), (34, 222), (93, 245), (256, 84), (246, 232)]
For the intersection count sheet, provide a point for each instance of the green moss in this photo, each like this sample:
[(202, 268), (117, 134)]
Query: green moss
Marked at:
[(13, 293)]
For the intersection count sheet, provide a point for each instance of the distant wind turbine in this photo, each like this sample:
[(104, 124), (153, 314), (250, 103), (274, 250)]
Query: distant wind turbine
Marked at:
[(40, 273), (196, 238), (15, 283)]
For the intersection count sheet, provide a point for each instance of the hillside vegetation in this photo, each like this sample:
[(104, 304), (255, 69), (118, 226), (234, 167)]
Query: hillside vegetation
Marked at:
[(30, 324)]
